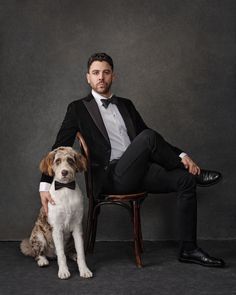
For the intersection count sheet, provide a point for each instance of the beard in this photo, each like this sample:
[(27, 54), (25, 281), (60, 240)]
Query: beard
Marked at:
[(102, 87)]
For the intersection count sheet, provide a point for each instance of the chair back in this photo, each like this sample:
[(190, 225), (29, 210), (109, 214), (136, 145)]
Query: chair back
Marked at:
[(88, 173)]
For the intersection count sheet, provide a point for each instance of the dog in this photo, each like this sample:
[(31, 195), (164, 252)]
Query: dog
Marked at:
[(52, 232)]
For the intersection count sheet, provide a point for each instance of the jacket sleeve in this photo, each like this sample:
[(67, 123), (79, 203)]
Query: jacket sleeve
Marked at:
[(68, 129), (66, 135), (141, 125)]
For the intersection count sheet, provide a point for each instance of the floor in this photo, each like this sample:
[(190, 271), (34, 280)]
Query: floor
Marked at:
[(115, 272)]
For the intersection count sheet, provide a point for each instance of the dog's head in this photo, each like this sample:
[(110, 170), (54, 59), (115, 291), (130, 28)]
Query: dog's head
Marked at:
[(63, 163)]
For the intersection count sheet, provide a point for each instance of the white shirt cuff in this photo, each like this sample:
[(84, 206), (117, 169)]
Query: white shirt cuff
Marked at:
[(44, 186), (182, 155)]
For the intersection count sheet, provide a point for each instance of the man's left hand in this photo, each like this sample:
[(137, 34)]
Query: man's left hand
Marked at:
[(190, 165)]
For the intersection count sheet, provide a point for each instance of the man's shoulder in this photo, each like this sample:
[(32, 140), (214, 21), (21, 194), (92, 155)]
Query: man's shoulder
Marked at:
[(124, 100), (80, 101)]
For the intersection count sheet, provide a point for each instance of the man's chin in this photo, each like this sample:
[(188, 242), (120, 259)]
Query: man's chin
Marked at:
[(103, 91)]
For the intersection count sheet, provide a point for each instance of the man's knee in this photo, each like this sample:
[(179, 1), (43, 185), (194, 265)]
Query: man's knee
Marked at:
[(150, 136)]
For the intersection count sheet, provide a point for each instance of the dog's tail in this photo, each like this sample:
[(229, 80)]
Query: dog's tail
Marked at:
[(26, 248)]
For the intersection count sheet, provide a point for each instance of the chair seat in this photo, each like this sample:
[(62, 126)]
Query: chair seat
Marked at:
[(125, 197)]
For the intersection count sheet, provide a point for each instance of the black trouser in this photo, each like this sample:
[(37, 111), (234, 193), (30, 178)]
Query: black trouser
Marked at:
[(150, 164)]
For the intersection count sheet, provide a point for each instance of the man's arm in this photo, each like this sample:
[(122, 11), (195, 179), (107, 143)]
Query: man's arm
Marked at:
[(140, 125), (65, 137), (137, 120), (188, 163), (69, 128)]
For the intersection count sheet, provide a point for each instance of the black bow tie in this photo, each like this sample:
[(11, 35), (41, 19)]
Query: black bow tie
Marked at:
[(70, 185), (107, 101)]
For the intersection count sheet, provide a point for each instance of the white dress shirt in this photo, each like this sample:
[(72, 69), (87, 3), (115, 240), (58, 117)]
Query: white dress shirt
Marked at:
[(115, 127), (116, 130)]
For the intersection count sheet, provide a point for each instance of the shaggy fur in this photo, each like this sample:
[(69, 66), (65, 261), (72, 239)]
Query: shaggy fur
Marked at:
[(51, 234)]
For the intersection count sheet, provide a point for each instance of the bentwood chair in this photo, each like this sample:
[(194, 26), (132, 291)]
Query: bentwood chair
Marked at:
[(132, 202)]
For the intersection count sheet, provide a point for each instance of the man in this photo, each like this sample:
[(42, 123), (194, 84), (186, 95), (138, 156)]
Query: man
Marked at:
[(127, 156)]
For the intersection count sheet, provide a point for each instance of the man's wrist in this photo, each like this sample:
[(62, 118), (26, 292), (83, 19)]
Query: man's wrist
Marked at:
[(182, 155), (44, 186)]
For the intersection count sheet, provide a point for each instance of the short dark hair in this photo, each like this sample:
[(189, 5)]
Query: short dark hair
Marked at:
[(101, 56)]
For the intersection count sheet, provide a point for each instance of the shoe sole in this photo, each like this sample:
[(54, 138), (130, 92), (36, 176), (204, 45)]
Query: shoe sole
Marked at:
[(200, 263), (206, 185)]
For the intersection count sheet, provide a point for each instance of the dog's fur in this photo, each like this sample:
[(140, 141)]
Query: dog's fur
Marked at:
[(51, 233)]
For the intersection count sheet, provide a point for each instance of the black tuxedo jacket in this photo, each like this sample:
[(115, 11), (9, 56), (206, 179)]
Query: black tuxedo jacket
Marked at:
[(83, 115)]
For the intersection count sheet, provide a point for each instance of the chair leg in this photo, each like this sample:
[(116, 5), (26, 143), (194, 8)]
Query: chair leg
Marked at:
[(140, 236), (96, 211), (136, 229)]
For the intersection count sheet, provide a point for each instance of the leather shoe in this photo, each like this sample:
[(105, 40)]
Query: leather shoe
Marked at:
[(208, 177), (198, 256)]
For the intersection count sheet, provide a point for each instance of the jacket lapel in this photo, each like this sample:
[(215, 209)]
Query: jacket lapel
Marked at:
[(94, 112), (127, 119)]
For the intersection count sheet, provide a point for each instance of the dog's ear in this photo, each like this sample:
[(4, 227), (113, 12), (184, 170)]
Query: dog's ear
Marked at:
[(81, 162), (45, 165)]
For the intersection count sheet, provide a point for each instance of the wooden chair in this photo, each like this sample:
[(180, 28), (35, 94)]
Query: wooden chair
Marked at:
[(132, 202)]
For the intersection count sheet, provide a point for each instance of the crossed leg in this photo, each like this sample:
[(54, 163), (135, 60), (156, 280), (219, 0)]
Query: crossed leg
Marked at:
[(151, 164)]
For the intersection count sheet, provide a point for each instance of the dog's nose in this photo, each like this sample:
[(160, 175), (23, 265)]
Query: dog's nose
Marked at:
[(64, 172)]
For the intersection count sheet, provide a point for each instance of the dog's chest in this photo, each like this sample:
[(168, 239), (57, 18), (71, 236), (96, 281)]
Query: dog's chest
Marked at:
[(68, 209)]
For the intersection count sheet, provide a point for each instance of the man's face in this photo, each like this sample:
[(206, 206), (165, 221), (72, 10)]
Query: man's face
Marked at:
[(100, 77)]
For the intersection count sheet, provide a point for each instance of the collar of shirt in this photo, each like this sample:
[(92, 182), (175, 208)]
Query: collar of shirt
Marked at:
[(98, 97)]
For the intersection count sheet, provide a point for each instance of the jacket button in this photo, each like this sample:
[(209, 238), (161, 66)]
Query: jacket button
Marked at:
[(105, 168)]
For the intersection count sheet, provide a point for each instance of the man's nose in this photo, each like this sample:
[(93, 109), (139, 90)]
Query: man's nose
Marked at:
[(101, 76)]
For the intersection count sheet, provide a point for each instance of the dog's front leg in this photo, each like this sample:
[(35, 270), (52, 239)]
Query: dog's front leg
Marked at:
[(63, 272), (79, 246)]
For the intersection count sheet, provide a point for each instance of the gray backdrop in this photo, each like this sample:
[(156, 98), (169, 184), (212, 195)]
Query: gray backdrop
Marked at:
[(174, 58)]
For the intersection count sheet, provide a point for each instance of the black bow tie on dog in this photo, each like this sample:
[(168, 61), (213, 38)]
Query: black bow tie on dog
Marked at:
[(59, 185), (107, 101)]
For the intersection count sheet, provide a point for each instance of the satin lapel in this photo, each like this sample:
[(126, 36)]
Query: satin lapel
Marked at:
[(94, 112), (127, 119)]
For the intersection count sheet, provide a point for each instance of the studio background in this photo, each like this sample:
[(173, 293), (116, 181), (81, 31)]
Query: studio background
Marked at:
[(175, 59)]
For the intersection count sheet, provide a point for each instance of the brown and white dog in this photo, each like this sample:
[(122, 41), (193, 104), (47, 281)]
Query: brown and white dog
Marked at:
[(51, 233)]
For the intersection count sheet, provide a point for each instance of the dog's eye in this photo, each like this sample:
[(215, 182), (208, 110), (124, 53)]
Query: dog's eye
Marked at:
[(58, 161), (70, 161)]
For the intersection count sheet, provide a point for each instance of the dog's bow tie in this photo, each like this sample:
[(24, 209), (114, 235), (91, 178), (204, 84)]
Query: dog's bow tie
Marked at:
[(107, 101), (59, 185)]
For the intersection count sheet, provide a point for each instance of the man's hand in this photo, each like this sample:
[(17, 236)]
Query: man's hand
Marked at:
[(45, 198), (190, 165)]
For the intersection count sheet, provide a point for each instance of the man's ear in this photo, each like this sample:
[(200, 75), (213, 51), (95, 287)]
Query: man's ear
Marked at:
[(81, 162), (46, 163), (88, 78)]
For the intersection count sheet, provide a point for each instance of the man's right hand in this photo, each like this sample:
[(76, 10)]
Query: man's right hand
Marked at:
[(45, 198), (192, 167)]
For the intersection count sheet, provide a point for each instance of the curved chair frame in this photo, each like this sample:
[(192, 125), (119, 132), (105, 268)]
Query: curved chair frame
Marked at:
[(131, 202)]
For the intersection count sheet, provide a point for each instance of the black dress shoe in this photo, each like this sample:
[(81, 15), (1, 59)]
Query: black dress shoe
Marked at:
[(208, 177), (198, 256)]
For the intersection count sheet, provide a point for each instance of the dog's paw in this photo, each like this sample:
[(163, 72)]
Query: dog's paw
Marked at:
[(63, 273), (85, 273), (42, 261)]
